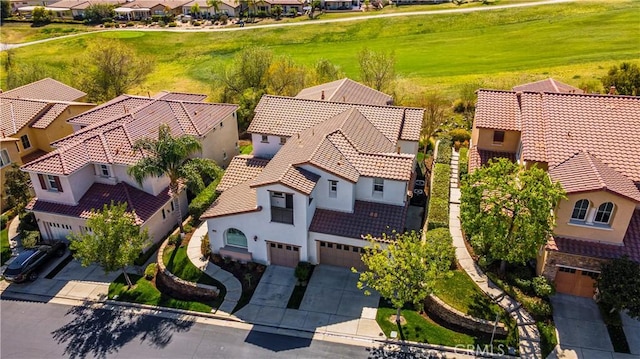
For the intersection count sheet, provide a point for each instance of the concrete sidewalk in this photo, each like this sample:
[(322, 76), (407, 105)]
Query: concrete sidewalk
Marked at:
[(529, 345), (231, 283)]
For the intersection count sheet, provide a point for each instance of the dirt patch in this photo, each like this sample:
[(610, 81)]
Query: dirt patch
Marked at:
[(392, 319)]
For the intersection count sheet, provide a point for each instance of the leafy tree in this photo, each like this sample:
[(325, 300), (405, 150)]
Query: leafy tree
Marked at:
[(377, 69), (466, 103), (407, 269), (285, 77), (277, 11), (215, 4), (5, 9), (436, 108), (195, 10), (507, 210), (325, 71), (314, 5), (114, 241), (109, 69), (97, 12), (17, 187), (619, 285), (625, 78), (23, 73), (170, 156), (41, 16)]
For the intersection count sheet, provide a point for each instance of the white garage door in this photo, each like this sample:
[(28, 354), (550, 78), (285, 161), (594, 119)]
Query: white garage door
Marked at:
[(56, 230)]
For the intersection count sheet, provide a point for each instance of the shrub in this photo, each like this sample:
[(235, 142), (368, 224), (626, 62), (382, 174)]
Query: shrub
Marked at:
[(523, 284), (442, 236), (261, 14), (188, 228), (172, 24), (107, 20), (27, 223), (144, 256), (444, 152), (459, 134), (150, 271), (109, 24), (303, 271), (463, 163), (205, 246), (174, 239), (4, 220), (161, 23), (196, 23), (30, 239), (204, 199), (542, 287), (131, 24), (438, 215), (224, 19)]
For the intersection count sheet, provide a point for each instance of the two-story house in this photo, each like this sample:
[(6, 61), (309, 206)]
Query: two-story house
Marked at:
[(588, 143), (31, 117), (89, 168), (322, 175)]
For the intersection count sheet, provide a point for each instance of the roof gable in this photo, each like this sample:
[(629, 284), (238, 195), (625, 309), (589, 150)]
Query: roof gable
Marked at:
[(347, 91), (45, 89)]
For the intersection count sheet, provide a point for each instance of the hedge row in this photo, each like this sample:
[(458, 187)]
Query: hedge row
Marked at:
[(444, 152), (439, 200), (463, 164), (204, 199)]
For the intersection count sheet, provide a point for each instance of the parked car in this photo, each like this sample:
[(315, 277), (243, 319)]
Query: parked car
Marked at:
[(27, 263)]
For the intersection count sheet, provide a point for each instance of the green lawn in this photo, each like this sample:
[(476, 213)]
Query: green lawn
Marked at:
[(246, 149), (460, 292), (179, 264), (498, 48), (144, 292), (5, 249), (17, 32)]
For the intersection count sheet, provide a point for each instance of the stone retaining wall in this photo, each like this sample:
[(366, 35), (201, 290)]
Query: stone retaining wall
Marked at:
[(442, 310), (180, 288)]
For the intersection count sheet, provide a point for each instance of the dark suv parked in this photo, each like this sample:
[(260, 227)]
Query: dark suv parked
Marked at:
[(27, 263)]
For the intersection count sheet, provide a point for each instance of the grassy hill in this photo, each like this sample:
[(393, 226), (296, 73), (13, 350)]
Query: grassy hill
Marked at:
[(574, 42)]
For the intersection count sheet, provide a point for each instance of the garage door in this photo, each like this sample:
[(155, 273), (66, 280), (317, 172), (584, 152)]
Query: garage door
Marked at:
[(341, 255), (575, 281), (56, 230), (283, 254)]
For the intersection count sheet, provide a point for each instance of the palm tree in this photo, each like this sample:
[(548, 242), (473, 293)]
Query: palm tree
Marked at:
[(170, 156), (215, 4)]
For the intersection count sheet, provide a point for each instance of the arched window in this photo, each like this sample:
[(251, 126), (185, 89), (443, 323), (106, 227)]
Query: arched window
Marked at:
[(234, 237), (604, 213), (580, 210)]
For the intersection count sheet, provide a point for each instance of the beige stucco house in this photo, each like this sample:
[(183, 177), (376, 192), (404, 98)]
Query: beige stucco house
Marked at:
[(588, 143)]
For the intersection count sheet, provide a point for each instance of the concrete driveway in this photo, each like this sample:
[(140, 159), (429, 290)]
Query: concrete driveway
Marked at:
[(332, 303), (581, 332)]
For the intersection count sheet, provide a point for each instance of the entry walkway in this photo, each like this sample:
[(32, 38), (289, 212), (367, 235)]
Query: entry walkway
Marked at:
[(529, 345), (233, 285)]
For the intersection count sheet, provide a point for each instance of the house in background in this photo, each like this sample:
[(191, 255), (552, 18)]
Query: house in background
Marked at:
[(322, 175), (31, 117), (76, 8), (89, 168), (144, 9), (347, 91), (230, 8), (588, 143)]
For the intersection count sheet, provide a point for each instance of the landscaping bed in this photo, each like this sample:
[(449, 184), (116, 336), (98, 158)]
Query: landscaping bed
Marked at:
[(248, 274)]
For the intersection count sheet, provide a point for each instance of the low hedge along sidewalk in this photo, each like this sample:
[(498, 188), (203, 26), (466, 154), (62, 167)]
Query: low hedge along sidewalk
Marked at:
[(438, 216)]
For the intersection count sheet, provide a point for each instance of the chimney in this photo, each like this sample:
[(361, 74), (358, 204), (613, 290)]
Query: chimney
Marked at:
[(322, 95), (612, 90), (519, 98)]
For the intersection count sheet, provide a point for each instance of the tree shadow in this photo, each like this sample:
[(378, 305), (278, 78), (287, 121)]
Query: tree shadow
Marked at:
[(482, 307), (99, 332)]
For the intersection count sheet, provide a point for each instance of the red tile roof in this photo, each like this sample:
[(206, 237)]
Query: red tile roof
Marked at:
[(181, 96), (111, 140), (241, 169), (287, 116), (548, 85), (15, 114), (143, 203), (235, 200), (497, 110), (630, 247), (583, 172), (45, 89), (347, 91), (347, 145), (367, 218), (113, 108)]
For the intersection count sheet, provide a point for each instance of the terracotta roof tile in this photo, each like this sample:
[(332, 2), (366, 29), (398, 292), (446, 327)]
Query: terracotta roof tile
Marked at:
[(241, 169), (50, 115), (116, 107), (182, 96), (367, 218), (15, 114), (143, 203), (45, 89), (630, 247), (497, 110), (111, 139), (286, 116), (547, 85), (347, 91), (240, 198)]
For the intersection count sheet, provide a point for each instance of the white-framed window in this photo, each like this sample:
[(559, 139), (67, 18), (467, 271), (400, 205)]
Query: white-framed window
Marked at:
[(378, 186), (604, 213), (26, 144), (235, 238), (104, 170), (4, 158), (264, 138), (333, 188), (50, 183), (283, 140), (580, 210)]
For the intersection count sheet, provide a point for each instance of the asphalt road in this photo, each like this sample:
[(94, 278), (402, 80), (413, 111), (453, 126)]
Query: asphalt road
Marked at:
[(38, 330)]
